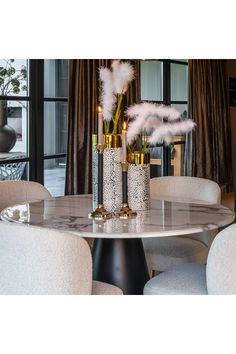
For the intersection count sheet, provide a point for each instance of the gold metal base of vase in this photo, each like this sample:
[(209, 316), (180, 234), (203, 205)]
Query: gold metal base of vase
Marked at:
[(100, 213), (125, 212)]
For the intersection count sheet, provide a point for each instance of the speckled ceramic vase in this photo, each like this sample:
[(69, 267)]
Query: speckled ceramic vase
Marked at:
[(139, 181), (112, 173)]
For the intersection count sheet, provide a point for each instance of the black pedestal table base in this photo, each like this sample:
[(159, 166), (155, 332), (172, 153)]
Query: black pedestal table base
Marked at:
[(121, 262)]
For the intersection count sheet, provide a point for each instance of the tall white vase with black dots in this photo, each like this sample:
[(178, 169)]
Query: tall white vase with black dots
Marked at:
[(139, 180), (112, 173)]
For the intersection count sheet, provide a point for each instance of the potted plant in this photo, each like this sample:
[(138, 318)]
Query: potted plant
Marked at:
[(148, 124), (115, 82), (12, 81)]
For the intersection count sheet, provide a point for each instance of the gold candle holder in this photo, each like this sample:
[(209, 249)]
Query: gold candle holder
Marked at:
[(100, 213), (125, 211)]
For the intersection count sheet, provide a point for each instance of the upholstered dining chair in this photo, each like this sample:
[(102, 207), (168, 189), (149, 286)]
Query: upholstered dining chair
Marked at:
[(18, 192), (217, 277), (14, 192), (41, 261), (167, 252)]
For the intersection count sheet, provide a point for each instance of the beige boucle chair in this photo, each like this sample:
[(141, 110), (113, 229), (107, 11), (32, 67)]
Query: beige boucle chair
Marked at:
[(168, 252), (39, 261), (18, 192), (217, 277)]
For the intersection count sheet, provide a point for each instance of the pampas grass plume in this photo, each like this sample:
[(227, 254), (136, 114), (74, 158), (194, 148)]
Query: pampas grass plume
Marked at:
[(108, 99), (123, 74), (149, 117), (167, 131)]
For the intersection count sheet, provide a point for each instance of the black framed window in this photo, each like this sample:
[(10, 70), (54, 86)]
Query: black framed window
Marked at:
[(38, 114), (55, 124), (14, 112), (165, 81)]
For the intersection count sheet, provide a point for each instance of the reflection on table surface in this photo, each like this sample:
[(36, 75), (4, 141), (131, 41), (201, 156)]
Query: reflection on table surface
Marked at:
[(165, 218)]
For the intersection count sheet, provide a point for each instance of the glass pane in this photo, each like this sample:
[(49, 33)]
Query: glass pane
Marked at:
[(177, 158), (151, 80), (182, 108), (179, 82), (15, 115), (54, 176), (13, 77), (56, 77), (55, 127), (156, 161)]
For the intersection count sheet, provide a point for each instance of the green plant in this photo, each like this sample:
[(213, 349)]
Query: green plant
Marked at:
[(140, 143), (12, 81)]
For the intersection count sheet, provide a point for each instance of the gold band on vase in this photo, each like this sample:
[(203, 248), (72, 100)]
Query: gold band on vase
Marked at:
[(112, 140), (139, 158)]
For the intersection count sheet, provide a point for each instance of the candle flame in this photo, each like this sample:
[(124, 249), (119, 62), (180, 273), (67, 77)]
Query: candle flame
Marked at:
[(124, 125), (99, 109)]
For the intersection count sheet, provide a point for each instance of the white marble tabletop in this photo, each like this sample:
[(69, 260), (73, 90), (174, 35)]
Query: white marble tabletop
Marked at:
[(165, 218)]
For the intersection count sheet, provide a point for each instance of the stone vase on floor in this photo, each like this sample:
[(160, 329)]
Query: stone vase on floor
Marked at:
[(139, 180), (112, 173)]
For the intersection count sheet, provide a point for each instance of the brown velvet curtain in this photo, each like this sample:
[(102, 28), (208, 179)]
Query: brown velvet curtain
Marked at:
[(209, 108), (82, 119)]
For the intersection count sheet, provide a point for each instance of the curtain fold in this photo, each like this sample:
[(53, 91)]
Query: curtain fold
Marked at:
[(82, 119), (209, 108)]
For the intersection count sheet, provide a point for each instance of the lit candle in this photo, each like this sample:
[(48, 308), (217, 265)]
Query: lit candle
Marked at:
[(124, 142), (100, 125)]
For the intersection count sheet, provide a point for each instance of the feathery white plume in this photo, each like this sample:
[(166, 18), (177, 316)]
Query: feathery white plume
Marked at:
[(151, 109), (140, 124), (151, 123), (123, 74), (134, 128), (168, 130), (149, 117), (168, 112), (108, 99), (139, 113)]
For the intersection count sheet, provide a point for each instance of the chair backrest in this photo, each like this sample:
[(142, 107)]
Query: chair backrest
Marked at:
[(36, 260), (183, 188), (18, 192), (221, 263)]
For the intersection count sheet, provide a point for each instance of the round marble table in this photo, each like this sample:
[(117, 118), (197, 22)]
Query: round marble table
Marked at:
[(118, 254)]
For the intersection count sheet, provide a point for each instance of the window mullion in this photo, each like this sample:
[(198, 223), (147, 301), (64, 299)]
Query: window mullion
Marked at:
[(166, 151), (36, 121)]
